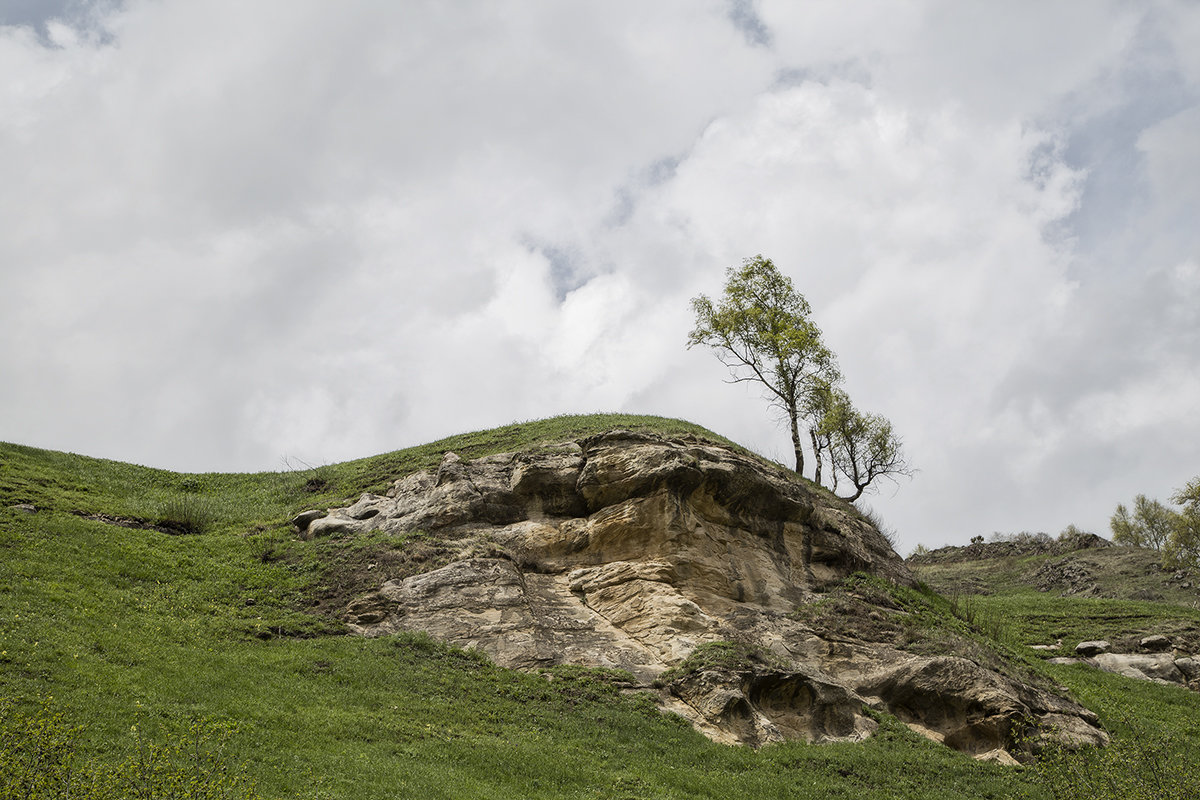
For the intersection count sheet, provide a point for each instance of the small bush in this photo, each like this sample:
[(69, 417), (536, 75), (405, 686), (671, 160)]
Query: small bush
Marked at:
[(979, 618), (187, 513)]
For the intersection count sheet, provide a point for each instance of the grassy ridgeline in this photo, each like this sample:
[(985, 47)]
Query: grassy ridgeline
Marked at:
[(128, 627)]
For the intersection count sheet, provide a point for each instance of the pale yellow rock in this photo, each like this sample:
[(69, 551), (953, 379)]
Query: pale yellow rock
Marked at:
[(630, 551)]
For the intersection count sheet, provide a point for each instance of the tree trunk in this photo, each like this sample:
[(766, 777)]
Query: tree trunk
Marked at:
[(857, 494), (812, 434), (793, 414)]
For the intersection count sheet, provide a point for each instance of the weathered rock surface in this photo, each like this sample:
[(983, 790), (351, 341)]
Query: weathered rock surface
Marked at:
[(1157, 667), (630, 551), (1093, 648), (1068, 577), (1155, 643)]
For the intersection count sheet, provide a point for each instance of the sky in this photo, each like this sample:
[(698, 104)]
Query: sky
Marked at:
[(241, 236)]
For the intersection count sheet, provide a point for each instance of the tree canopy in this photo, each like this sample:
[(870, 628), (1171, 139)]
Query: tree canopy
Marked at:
[(762, 330), (1175, 534)]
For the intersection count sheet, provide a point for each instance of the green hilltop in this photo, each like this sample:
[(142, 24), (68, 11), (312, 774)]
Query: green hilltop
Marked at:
[(173, 622)]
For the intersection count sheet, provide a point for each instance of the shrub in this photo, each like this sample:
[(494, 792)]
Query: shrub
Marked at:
[(187, 513)]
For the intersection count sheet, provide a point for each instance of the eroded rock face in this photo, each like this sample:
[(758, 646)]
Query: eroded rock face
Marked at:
[(630, 551)]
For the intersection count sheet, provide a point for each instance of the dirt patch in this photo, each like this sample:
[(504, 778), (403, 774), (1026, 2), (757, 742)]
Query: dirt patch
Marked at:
[(134, 522), (348, 571)]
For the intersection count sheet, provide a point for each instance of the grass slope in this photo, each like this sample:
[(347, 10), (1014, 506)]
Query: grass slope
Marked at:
[(1156, 728), (137, 633)]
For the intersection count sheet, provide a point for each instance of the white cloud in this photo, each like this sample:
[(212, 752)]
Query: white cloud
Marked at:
[(231, 232)]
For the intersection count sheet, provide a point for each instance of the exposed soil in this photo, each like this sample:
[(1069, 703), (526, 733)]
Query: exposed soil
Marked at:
[(349, 572), (134, 522)]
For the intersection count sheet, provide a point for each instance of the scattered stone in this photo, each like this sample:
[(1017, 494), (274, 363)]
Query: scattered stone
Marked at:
[(998, 756), (28, 508), (306, 518), (136, 523), (1067, 576), (1093, 648), (1156, 643)]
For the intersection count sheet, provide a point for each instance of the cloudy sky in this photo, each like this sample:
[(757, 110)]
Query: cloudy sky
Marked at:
[(236, 232)]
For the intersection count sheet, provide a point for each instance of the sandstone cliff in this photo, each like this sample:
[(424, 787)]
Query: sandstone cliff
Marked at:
[(636, 552)]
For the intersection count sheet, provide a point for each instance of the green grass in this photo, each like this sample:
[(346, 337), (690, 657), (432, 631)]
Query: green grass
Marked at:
[(129, 627), (1155, 728)]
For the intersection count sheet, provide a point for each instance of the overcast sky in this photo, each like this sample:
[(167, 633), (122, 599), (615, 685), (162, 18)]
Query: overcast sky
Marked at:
[(233, 232)]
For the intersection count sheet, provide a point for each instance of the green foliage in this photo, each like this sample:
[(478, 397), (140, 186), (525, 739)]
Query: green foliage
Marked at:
[(861, 447), (37, 751), (1139, 765), (186, 513), (1184, 545), (762, 331), (1176, 534), (40, 760), (1150, 524)]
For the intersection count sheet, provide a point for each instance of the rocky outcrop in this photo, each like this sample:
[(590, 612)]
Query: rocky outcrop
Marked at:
[(630, 551), (1066, 576), (1015, 546)]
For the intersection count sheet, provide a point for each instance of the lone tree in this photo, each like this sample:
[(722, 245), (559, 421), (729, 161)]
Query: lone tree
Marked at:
[(761, 330)]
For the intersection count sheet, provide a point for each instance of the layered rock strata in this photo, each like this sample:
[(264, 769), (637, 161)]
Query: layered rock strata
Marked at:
[(630, 551)]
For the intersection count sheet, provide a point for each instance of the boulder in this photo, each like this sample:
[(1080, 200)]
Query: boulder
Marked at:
[(1158, 667), (1093, 648), (1190, 668), (1156, 643), (305, 518)]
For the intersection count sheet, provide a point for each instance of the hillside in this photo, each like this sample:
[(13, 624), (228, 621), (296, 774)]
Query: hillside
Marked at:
[(126, 620), (1073, 589)]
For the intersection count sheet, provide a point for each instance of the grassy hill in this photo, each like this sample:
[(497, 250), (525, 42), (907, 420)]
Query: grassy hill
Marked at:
[(174, 621)]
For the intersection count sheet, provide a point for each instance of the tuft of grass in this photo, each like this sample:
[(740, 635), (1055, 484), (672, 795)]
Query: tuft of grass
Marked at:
[(186, 513)]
